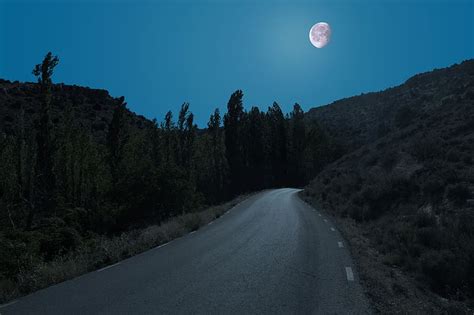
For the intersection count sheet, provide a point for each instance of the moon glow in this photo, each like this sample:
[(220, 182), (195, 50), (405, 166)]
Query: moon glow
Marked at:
[(320, 34)]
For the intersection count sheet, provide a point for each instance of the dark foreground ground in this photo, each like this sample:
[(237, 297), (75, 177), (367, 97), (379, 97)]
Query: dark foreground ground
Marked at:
[(270, 254)]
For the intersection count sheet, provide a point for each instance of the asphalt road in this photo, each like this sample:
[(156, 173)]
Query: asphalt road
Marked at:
[(270, 254)]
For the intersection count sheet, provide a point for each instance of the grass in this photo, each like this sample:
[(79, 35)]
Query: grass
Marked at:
[(100, 251)]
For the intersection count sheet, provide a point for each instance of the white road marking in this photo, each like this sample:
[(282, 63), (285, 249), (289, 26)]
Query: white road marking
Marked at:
[(108, 267), (320, 214), (332, 229), (8, 304), (349, 274), (210, 223), (192, 232), (163, 245), (340, 244), (325, 220)]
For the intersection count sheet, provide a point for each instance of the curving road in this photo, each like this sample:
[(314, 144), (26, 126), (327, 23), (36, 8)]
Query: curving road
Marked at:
[(272, 254)]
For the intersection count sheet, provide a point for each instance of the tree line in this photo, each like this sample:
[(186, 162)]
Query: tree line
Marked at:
[(57, 175)]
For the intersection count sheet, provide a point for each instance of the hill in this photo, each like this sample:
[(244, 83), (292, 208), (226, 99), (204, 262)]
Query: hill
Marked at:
[(402, 194), (359, 120), (92, 108)]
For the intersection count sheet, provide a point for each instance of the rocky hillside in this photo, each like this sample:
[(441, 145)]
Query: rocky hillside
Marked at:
[(92, 108), (362, 119), (403, 196)]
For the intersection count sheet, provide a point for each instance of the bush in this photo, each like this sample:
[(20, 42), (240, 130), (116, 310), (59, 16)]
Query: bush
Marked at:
[(58, 240), (442, 270), (430, 236), (424, 219), (433, 190), (458, 194), (404, 116), (453, 156), (192, 222), (389, 160), (426, 148)]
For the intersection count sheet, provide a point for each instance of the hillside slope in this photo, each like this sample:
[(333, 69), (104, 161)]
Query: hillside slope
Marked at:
[(402, 196), (92, 108), (362, 119)]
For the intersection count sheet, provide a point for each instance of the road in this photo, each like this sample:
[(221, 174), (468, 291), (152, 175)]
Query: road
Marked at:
[(270, 254)]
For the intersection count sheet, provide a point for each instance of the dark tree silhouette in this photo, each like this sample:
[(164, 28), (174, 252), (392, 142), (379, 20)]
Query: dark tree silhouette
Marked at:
[(233, 141), (44, 140)]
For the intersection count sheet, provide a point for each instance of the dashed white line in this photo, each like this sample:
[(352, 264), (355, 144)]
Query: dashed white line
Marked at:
[(349, 274), (325, 220), (108, 267), (320, 214), (340, 244), (210, 223), (332, 229), (8, 304), (192, 232)]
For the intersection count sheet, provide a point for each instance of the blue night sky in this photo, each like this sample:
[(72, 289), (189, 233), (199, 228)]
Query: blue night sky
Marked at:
[(159, 54)]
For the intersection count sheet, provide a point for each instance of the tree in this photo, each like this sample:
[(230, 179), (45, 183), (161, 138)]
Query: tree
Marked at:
[(256, 149), (45, 181), (277, 148), (169, 139), (233, 123), (117, 137), (213, 168), (296, 146)]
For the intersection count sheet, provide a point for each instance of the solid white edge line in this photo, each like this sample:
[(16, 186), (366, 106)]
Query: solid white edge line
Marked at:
[(332, 229), (8, 304), (192, 232), (210, 223), (163, 245), (105, 268), (349, 274), (340, 244)]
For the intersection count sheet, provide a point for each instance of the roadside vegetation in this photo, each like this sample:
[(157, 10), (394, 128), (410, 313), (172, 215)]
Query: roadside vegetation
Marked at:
[(96, 251)]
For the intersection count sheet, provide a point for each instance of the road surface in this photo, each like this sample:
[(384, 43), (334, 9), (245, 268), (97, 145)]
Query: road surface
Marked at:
[(270, 254)]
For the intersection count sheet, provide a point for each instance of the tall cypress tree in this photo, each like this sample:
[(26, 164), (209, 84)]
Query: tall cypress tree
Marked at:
[(214, 162), (256, 146), (296, 146), (117, 137), (278, 139), (233, 121), (45, 180)]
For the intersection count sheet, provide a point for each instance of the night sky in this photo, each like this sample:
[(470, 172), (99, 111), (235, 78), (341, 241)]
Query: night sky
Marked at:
[(159, 54)]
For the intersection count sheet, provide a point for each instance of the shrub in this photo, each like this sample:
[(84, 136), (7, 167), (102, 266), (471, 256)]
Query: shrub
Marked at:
[(192, 222), (426, 148), (430, 236), (58, 240), (424, 219), (453, 156), (389, 160), (433, 190), (435, 265), (458, 194), (404, 116), (443, 270)]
